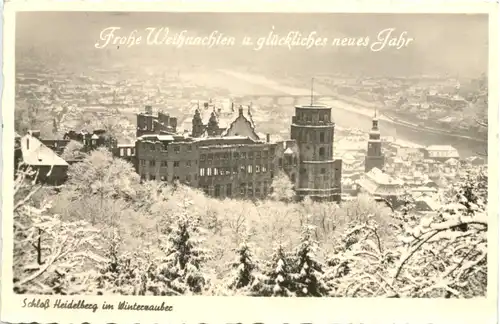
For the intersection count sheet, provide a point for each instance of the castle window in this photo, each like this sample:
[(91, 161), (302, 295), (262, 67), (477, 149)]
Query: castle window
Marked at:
[(323, 171), (202, 172), (129, 151), (250, 189), (242, 189), (236, 155), (321, 117), (264, 169), (272, 151), (217, 156), (122, 152), (265, 189), (321, 152), (205, 190), (321, 137), (226, 156), (190, 148), (250, 155), (257, 168), (243, 155), (210, 157), (264, 154), (235, 170), (257, 155), (176, 178), (217, 191), (163, 163), (229, 192), (209, 172), (176, 164), (293, 177), (188, 163), (202, 157), (152, 163), (242, 168), (257, 191), (216, 171), (152, 147), (249, 169), (177, 149), (143, 162)]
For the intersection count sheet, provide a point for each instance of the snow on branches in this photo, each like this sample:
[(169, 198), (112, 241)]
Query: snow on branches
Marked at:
[(50, 256)]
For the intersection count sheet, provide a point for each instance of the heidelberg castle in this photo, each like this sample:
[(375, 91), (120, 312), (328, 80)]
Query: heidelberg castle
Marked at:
[(225, 157)]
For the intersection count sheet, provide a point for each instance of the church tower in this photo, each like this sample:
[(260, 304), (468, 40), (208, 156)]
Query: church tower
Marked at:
[(374, 157)]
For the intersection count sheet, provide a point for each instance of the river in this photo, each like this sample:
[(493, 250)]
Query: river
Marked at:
[(348, 115)]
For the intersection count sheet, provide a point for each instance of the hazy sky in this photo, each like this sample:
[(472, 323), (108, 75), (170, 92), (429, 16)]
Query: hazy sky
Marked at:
[(456, 44)]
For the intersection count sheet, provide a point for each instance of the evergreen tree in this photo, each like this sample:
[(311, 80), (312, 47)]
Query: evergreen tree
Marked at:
[(279, 281), (245, 276), (181, 269), (308, 271)]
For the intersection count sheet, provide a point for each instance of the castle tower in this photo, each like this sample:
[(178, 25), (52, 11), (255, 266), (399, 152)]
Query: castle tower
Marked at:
[(197, 124), (319, 173), (145, 121), (374, 157)]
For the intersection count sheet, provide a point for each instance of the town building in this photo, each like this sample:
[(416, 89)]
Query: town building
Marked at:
[(441, 153), (374, 157), (381, 186), (31, 153)]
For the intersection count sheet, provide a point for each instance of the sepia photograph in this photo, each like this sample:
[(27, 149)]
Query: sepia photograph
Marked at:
[(249, 154), (175, 169)]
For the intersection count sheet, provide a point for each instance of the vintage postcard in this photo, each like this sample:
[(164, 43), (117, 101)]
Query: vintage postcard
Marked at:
[(249, 163)]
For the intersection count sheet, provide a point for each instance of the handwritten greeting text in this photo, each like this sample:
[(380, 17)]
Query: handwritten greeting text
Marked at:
[(115, 36)]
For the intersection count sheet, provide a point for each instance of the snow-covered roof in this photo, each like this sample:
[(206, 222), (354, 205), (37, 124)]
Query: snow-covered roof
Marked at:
[(382, 178), (36, 153)]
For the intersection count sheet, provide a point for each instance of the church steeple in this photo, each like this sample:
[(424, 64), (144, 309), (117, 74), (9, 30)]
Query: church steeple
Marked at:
[(374, 157)]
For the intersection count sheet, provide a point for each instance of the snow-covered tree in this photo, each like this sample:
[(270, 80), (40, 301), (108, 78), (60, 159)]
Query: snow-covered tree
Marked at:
[(101, 177), (50, 256), (360, 262), (181, 270), (278, 280), (282, 188), (245, 277), (73, 151), (308, 270), (446, 254), (124, 272)]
